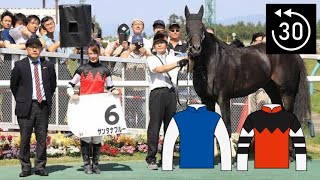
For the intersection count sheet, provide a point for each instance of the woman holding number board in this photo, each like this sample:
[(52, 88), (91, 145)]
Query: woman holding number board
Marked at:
[(93, 78)]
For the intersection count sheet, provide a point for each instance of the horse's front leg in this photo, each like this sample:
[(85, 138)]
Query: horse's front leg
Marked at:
[(211, 104), (224, 104)]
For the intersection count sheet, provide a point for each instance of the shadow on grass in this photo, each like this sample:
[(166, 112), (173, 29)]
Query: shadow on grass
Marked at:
[(112, 167)]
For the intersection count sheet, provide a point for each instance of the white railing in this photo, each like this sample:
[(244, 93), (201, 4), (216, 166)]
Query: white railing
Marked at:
[(119, 83)]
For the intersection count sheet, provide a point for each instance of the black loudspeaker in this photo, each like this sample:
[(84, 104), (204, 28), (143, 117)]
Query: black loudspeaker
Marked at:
[(75, 25)]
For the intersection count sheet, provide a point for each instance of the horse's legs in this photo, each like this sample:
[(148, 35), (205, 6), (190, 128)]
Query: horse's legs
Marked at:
[(288, 102), (211, 104), (273, 92), (224, 104)]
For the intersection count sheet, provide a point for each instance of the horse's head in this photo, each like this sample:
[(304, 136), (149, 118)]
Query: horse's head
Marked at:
[(195, 31)]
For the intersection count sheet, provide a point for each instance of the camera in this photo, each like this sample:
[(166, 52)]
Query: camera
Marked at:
[(123, 37), (138, 45), (99, 33)]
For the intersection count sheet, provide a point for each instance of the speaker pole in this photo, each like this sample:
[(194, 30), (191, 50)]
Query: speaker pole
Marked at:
[(81, 56)]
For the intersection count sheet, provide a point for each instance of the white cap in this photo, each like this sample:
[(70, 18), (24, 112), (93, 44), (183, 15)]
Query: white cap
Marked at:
[(137, 20)]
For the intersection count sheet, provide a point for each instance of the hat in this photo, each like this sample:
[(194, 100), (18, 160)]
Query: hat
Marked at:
[(158, 22), (137, 39), (174, 24), (160, 36), (123, 29), (33, 41), (137, 20)]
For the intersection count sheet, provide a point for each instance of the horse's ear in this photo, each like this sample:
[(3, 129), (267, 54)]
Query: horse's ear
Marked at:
[(200, 13), (186, 12)]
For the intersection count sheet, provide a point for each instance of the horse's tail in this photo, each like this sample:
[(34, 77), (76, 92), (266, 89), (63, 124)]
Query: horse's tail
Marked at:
[(302, 106)]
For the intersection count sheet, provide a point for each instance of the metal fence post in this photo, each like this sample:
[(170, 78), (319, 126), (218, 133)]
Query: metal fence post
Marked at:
[(57, 93)]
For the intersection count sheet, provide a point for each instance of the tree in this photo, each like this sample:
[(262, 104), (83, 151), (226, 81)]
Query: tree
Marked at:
[(96, 24), (173, 18)]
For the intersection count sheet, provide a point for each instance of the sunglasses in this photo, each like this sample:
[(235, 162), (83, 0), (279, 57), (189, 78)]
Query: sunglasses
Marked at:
[(175, 30)]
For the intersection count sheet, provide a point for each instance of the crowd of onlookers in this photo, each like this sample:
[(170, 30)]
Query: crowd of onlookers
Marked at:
[(18, 28)]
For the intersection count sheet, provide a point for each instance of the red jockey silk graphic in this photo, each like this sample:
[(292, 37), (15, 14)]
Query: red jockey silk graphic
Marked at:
[(92, 85), (271, 128)]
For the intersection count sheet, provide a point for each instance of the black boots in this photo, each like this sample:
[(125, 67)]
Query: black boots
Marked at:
[(85, 150), (95, 158)]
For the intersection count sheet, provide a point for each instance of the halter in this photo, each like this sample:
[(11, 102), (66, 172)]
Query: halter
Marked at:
[(202, 36)]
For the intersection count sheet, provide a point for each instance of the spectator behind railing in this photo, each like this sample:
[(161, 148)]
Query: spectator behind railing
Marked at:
[(257, 38), (6, 22), (51, 39), (52, 43), (137, 28), (158, 25), (19, 23), (210, 30), (135, 116), (24, 33), (176, 47), (116, 48), (1, 40)]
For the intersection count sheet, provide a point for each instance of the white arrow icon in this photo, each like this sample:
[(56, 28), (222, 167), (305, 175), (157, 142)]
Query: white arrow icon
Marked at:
[(278, 12), (290, 13)]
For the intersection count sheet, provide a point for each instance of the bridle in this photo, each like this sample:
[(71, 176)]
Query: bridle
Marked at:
[(190, 36)]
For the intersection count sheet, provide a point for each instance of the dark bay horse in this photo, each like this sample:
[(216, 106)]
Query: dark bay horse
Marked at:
[(222, 72)]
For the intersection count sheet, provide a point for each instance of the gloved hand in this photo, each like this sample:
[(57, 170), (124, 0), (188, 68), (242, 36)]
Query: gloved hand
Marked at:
[(182, 62), (74, 97), (115, 92)]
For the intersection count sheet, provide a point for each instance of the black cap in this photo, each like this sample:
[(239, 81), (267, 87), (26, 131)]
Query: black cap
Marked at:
[(33, 41), (124, 28), (160, 36), (159, 22), (174, 24)]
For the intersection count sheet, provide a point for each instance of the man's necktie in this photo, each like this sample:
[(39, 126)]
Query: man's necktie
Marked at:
[(37, 80)]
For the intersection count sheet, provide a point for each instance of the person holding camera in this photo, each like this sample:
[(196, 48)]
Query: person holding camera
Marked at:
[(136, 49), (135, 111), (162, 102), (116, 48), (137, 29)]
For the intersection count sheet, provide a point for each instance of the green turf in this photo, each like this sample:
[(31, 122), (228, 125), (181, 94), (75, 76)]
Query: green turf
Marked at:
[(315, 98), (138, 170)]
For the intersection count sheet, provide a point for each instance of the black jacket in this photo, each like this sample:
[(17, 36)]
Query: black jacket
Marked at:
[(21, 85)]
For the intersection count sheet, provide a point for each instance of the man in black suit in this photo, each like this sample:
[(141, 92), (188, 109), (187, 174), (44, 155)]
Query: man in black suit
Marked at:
[(33, 82)]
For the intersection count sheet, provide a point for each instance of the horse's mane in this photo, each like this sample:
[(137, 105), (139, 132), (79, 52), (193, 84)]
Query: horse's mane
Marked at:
[(215, 47)]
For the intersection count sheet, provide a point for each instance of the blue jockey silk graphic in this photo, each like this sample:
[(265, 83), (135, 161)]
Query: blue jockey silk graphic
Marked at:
[(197, 128)]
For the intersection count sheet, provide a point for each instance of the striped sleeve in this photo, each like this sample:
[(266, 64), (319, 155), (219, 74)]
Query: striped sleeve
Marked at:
[(245, 138), (299, 145)]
